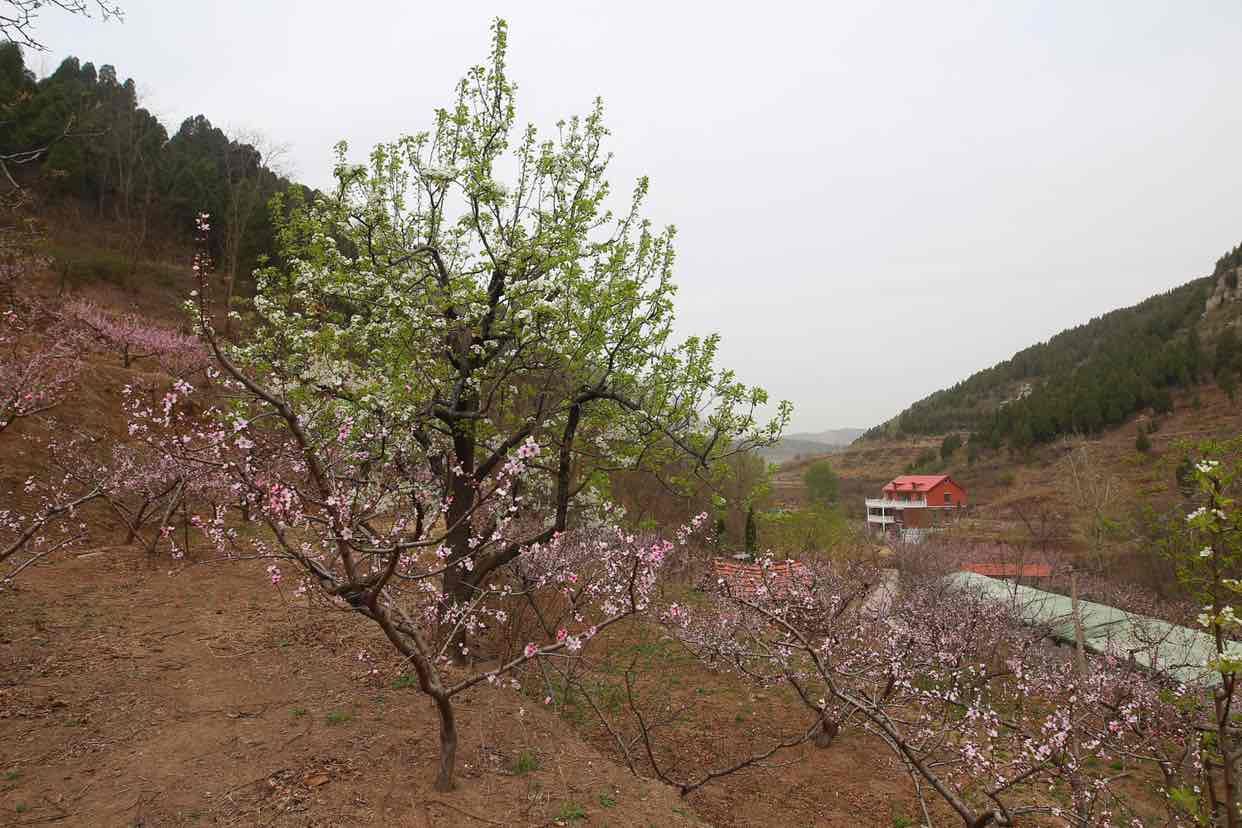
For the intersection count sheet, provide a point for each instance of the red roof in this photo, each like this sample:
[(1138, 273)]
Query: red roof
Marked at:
[(915, 482), (1001, 570)]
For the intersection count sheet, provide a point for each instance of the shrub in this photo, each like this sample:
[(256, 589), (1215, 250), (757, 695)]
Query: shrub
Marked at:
[(1228, 382), (821, 482), (572, 812), (924, 463), (526, 762)]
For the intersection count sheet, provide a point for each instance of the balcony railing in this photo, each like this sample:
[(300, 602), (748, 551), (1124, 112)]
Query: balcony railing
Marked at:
[(884, 503)]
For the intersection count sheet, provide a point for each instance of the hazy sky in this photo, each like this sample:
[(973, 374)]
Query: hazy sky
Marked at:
[(872, 200)]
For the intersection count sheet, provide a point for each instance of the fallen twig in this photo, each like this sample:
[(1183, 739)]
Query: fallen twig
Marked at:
[(463, 812)]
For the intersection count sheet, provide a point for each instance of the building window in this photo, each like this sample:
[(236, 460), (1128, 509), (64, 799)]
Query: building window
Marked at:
[(948, 497)]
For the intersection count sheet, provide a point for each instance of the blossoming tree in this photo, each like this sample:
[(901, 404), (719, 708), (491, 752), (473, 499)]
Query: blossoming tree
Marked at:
[(443, 372), (983, 716), (1208, 555), (132, 337), (423, 298), (39, 363), (367, 528), (38, 353), (43, 347)]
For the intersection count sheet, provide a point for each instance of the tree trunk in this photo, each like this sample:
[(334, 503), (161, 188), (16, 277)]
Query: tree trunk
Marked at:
[(132, 527), (173, 500), (448, 744), (229, 279), (1080, 638), (825, 732), (457, 586), (1228, 757)]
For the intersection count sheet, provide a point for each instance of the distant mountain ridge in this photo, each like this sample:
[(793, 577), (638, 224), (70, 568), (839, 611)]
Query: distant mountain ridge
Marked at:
[(792, 446), (831, 436)]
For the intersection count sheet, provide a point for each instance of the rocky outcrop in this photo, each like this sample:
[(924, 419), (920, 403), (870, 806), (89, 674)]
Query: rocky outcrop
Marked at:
[(1225, 290)]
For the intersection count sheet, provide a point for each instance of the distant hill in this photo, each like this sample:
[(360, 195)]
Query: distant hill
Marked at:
[(831, 437), (793, 446), (1096, 375)]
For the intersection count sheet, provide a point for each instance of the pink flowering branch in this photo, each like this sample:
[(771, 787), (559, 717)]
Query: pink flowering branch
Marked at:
[(958, 687), (133, 337), (47, 515), (39, 364), (36, 370)]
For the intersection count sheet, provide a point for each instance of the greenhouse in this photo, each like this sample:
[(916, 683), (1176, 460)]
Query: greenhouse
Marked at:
[(1179, 652)]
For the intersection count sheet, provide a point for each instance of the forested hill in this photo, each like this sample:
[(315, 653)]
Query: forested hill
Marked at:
[(81, 137), (1095, 375)]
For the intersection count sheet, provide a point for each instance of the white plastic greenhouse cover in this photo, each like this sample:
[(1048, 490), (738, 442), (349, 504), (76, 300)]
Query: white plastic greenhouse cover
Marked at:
[(1181, 653)]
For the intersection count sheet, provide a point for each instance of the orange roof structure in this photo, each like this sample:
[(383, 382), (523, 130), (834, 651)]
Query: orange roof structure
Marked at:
[(915, 482), (1005, 570), (747, 580)]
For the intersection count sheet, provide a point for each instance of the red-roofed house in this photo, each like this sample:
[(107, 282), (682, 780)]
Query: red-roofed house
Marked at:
[(915, 501)]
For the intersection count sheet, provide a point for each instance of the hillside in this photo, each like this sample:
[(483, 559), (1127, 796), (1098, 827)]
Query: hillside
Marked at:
[(116, 191), (253, 711), (1058, 493), (1050, 439), (1096, 375)]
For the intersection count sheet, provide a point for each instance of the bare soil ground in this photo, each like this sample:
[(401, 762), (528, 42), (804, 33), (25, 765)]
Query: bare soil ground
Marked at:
[(129, 696), (137, 693), (854, 782)]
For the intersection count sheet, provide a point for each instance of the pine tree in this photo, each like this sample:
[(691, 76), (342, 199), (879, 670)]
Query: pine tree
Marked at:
[(1228, 382), (950, 445), (752, 532), (1226, 352), (1194, 353)]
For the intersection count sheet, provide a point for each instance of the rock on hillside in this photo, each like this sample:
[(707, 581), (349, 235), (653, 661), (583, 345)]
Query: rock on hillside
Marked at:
[(1226, 289)]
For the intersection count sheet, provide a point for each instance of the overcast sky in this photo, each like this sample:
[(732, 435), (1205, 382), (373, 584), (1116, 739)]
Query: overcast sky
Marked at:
[(872, 200)]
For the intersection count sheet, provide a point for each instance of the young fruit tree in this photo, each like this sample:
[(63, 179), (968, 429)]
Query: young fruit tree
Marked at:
[(43, 514), (39, 354), (133, 337), (43, 348), (991, 724), (40, 357), (443, 373), (1208, 555)]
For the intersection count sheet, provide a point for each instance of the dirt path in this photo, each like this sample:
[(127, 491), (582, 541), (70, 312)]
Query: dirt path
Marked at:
[(880, 599)]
